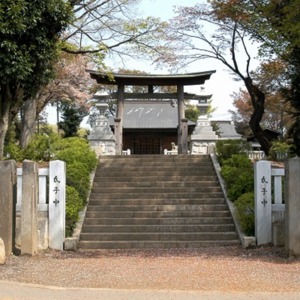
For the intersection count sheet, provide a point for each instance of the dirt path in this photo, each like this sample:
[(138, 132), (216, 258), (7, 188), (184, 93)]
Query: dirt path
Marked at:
[(226, 269)]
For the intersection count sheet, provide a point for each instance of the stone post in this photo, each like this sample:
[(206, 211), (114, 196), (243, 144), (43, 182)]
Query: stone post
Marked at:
[(263, 205), (8, 183), (119, 120), (292, 206), (29, 214), (57, 204)]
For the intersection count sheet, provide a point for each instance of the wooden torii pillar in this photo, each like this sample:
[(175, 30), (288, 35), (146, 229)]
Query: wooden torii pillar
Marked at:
[(182, 134)]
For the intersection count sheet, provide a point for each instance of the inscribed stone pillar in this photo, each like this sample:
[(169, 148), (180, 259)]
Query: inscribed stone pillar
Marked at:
[(8, 179), (182, 125), (263, 205), (119, 120), (292, 206), (57, 204), (29, 215)]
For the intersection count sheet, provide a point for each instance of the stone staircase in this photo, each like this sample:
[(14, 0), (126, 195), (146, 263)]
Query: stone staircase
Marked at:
[(156, 201)]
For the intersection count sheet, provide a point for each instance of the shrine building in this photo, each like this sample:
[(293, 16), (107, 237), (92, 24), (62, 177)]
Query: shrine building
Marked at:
[(150, 122)]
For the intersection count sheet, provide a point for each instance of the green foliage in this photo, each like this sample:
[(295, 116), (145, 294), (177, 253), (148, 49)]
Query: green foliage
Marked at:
[(80, 161), (245, 212), (226, 148), (71, 119), (41, 147), (74, 204), (29, 31), (238, 174), (75, 149), (192, 112), (78, 177), (13, 151), (280, 150)]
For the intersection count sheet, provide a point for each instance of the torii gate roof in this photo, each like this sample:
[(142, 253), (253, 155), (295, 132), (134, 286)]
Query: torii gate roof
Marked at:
[(150, 79)]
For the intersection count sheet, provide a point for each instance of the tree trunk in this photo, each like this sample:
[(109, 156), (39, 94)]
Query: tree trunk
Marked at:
[(5, 104), (258, 103), (28, 121)]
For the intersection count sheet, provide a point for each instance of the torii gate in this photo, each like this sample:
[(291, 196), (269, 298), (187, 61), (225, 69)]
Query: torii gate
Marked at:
[(179, 80)]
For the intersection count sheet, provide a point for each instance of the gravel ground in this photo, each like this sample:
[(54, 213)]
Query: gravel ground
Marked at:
[(228, 269)]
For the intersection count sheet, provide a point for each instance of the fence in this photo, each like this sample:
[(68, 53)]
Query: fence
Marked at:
[(269, 204), (50, 206)]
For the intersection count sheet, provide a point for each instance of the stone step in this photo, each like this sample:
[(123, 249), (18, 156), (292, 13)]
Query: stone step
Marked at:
[(156, 201), (158, 172), (158, 184), (153, 158), (156, 190), (154, 208), (143, 202), (118, 195), (155, 244), (158, 221), (134, 165), (152, 178), (156, 214), (158, 228), (159, 236)]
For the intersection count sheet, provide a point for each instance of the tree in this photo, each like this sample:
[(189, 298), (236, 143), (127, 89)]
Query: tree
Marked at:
[(112, 27), (270, 77), (29, 31), (72, 116), (275, 24), (187, 33), (72, 84), (98, 28)]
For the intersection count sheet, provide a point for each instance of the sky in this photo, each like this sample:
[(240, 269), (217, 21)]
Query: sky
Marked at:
[(221, 84)]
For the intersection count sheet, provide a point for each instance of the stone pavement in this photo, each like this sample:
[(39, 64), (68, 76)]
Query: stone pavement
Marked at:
[(20, 291)]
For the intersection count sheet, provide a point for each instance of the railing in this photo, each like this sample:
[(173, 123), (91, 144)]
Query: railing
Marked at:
[(43, 189), (256, 155)]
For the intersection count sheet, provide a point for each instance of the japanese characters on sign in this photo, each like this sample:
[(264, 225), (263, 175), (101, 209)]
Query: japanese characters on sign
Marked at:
[(264, 190), (56, 190)]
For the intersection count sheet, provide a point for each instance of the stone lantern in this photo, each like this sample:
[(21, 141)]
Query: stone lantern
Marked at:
[(101, 138)]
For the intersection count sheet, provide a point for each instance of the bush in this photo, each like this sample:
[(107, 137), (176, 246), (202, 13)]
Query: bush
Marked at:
[(238, 175), (280, 151), (226, 148), (80, 161), (245, 213), (76, 149), (41, 147), (78, 177), (74, 205), (13, 151)]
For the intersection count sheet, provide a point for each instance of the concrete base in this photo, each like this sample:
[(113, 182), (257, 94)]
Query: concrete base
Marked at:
[(71, 244), (248, 242)]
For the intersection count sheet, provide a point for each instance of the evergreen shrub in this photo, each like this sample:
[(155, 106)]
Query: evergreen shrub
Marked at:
[(76, 149), (78, 177), (74, 204), (226, 148), (238, 175), (245, 212), (41, 147)]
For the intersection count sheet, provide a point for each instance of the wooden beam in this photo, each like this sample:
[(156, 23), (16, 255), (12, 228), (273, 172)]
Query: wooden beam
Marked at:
[(154, 96)]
